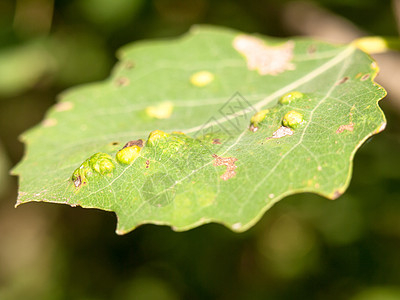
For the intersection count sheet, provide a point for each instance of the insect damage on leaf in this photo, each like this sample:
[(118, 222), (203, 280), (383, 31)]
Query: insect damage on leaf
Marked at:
[(364, 77), (267, 60), (229, 162), (343, 80), (216, 141), (348, 127)]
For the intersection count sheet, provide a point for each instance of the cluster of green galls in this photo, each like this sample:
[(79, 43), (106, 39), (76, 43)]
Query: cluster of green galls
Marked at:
[(292, 119), (103, 163)]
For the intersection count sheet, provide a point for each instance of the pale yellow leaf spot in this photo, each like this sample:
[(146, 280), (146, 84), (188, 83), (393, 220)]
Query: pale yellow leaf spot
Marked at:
[(160, 111), (202, 78)]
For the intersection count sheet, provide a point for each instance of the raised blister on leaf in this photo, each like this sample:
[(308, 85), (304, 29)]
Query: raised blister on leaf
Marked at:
[(292, 119), (81, 174), (128, 155), (101, 163), (290, 97), (155, 136), (257, 118)]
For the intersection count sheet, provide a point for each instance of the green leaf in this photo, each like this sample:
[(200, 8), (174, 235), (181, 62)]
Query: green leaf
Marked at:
[(209, 86)]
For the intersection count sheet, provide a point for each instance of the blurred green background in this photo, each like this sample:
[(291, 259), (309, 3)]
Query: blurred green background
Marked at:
[(305, 247)]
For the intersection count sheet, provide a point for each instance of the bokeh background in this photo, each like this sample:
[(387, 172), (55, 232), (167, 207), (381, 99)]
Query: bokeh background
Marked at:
[(305, 247)]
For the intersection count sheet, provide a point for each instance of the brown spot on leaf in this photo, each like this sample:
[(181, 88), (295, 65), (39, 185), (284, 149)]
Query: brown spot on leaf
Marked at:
[(122, 81), (365, 77), (348, 127), (147, 164), (343, 80), (216, 141), (229, 162), (134, 143)]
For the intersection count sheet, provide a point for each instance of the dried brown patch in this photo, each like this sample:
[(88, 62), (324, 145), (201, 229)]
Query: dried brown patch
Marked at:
[(348, 127), (229, 162), (122, 81), (267, 60), (216, 141), (365, 77), (281, 132), (134, 143)]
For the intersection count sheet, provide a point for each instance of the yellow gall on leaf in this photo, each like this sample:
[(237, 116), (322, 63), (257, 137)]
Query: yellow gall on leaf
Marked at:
[(156, 135), (128, 155), (257, 118), (201, 78), (290, 97), (292, 119)]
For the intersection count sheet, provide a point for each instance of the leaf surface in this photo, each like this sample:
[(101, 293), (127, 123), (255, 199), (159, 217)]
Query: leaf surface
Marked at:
[(212, 165)]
